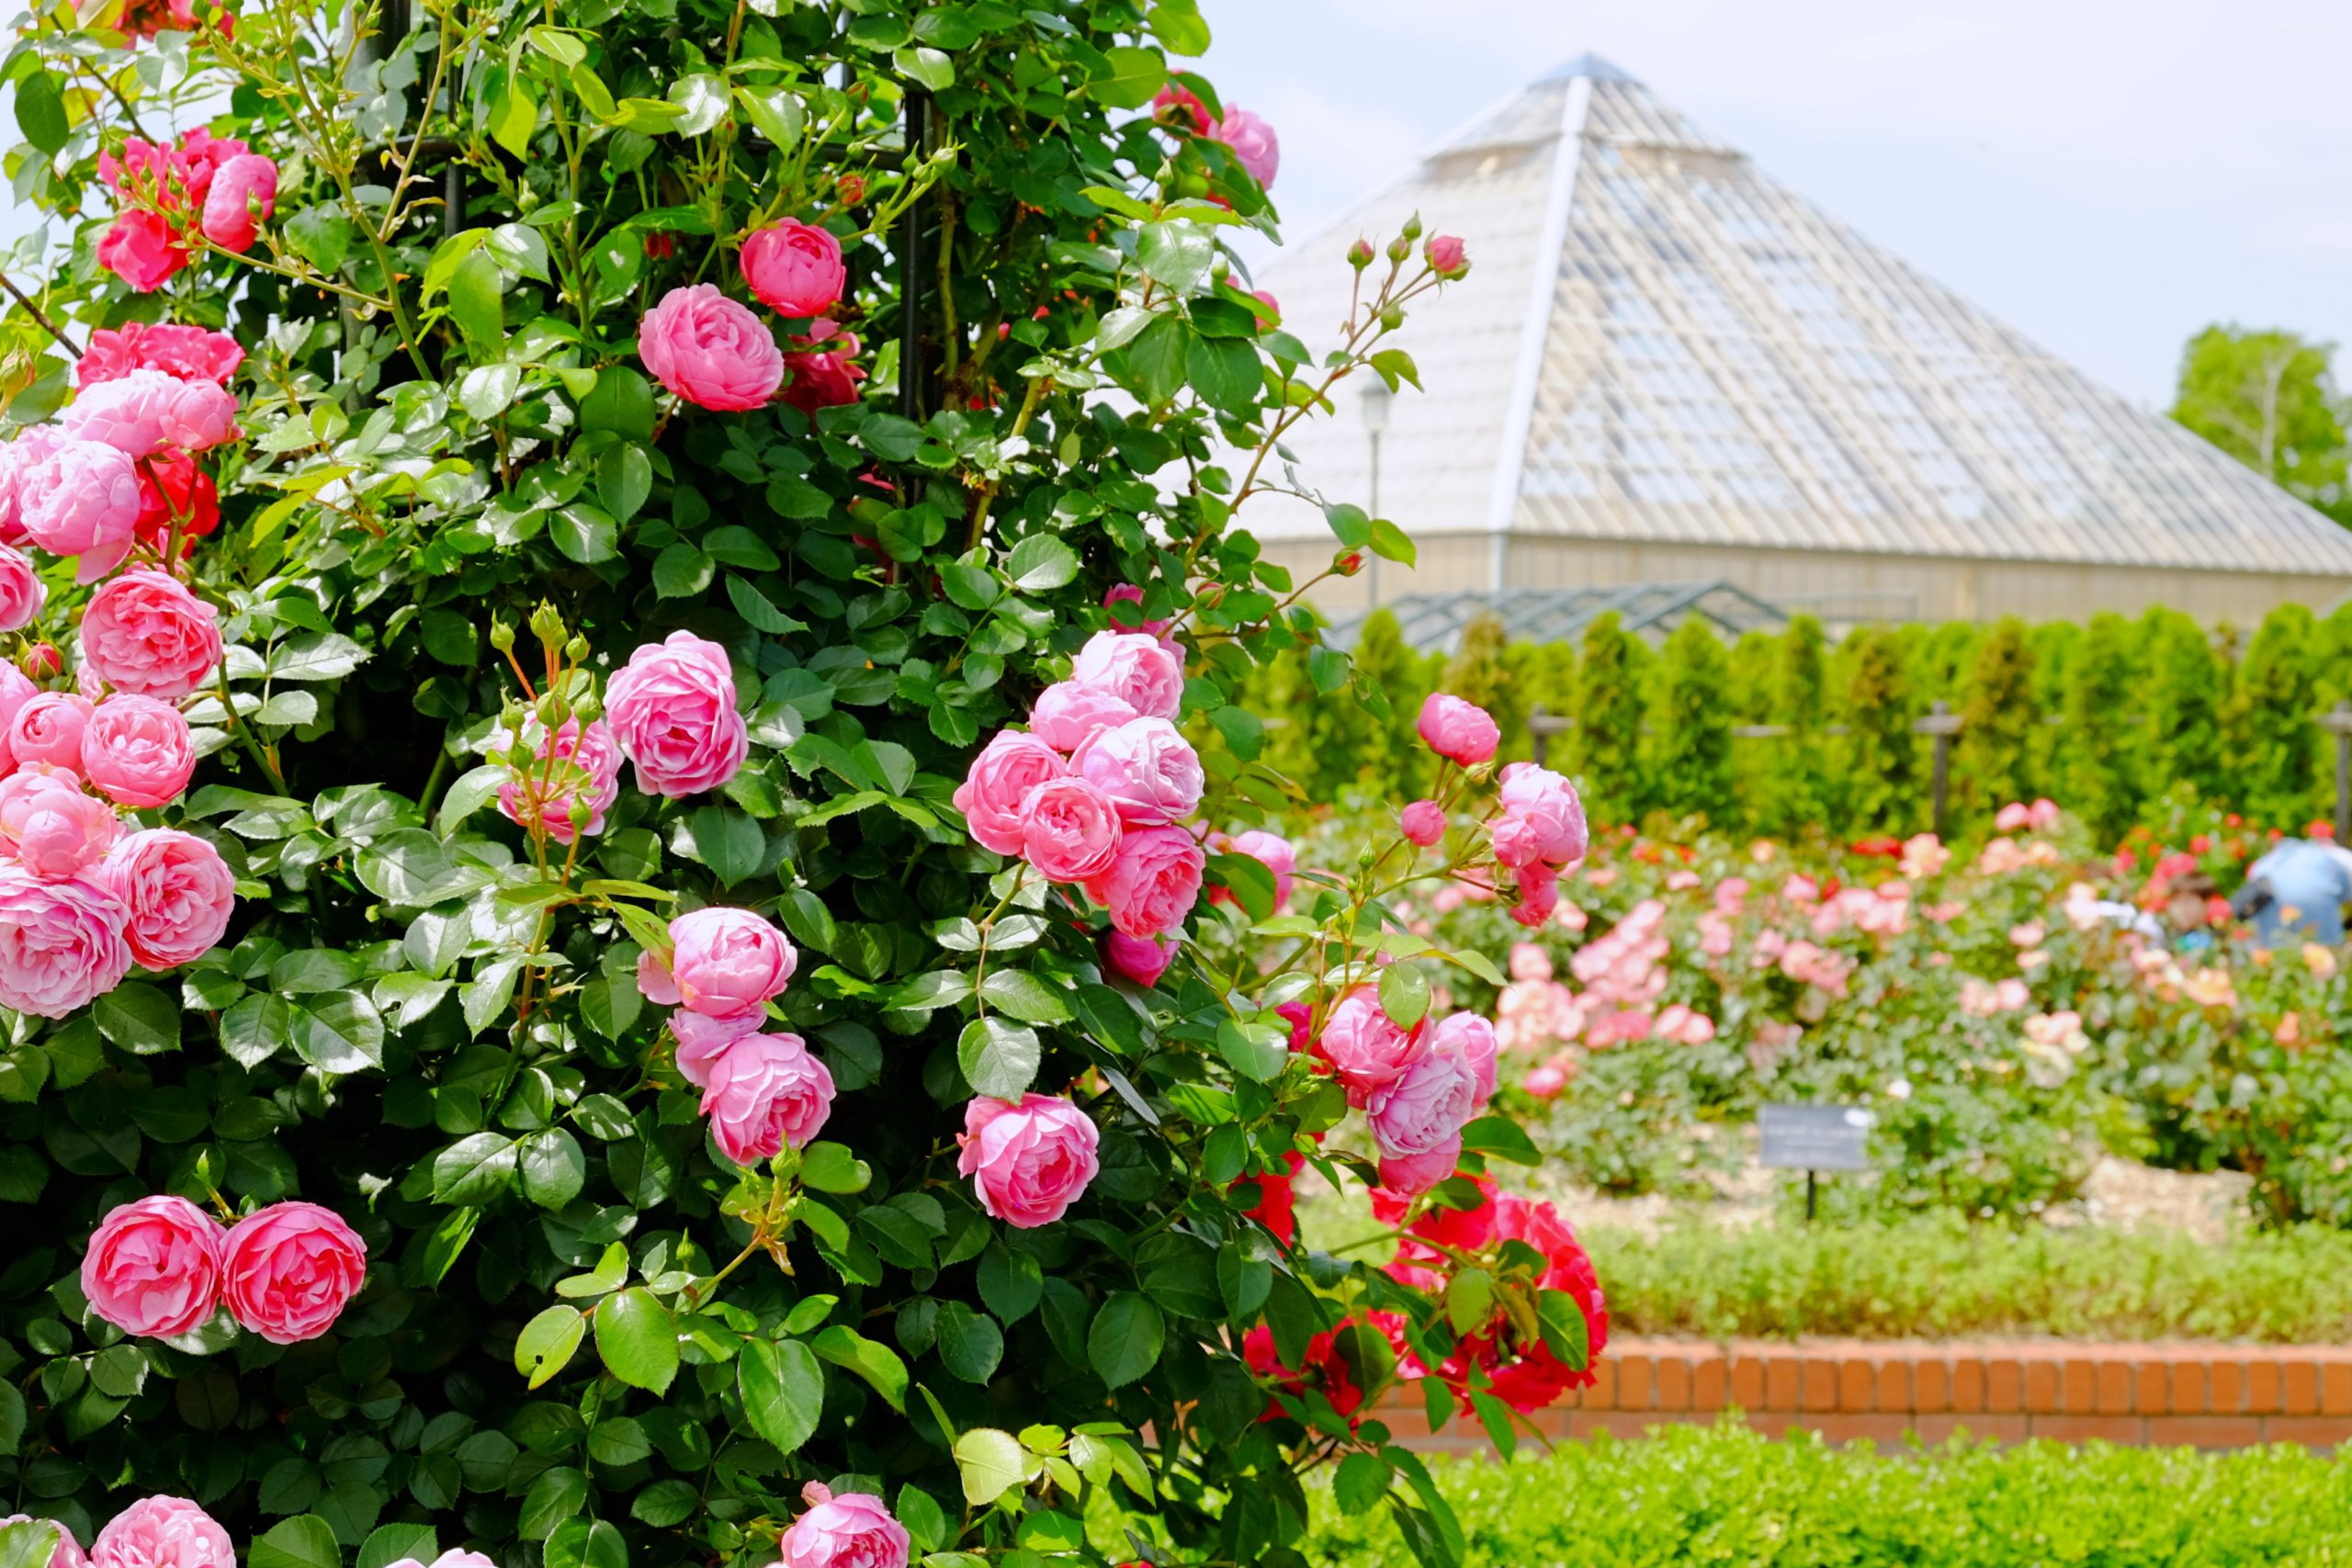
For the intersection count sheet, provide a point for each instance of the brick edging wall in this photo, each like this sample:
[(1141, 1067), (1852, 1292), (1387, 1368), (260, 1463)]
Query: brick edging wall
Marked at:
[(2207, 1396)]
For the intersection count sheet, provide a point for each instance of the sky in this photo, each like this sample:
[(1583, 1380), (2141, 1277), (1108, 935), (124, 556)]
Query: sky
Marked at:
[(2106, 176)]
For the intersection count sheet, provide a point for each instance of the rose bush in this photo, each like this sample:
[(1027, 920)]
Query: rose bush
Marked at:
[(637, 924)]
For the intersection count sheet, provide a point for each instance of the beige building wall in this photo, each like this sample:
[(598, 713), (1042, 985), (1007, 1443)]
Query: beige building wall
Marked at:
[(1836, 586)]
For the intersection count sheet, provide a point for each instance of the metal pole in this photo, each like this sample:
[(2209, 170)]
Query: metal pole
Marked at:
[(1812, 1192), (1941, 779), (2343, 773), (911, 269), (1538, 739)]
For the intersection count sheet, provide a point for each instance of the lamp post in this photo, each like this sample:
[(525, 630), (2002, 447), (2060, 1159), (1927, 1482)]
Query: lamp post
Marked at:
[(1377, 399)]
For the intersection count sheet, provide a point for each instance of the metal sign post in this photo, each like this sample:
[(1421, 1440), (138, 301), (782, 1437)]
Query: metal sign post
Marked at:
[(1812, 1138)]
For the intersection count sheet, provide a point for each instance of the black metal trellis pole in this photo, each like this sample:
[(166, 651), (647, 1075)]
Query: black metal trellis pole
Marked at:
[(912, 392)]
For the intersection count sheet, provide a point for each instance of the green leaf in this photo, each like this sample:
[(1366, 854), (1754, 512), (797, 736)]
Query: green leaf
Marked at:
[(474, 1169), (877, 1364), (396, 1544), (637, 1339), (553, 1169), (702, 95), (624, 480), (999, 1058), (1024, 996), (1501, 1138), (139, 1018), (622, 404), (322, 236), (1134, 77), (970, 1344), (1154, 362), (1244, 732), (783, 1388), (305, 1540), (583, 533), (546, 1343), (1565, 1333), (41, 112), (729, 842), (1175, 253), (1389, 542), (777, 111), (680, 570), (1404, 994), (829, 1168), (477, 301), (991, 1463), (758, 609), (1041, 562), (1009, 1281), (931, 67), (1125, 1338), (1255, 1050), (1360, 1482), (1226, 374)]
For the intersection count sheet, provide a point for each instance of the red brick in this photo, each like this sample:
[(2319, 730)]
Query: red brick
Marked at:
[(2300, 1394), (2044, 1389), (2228, 1386), (2206, 1431), (2192, 1386), (1636, 1381), (1748, 1382), (1781, 1369), (1971, 1379), (2312, 1431), (1602, 1395), (2114, 1386), (2263, 1387), (2004, 1384), (2152, 1387), (2078, 1386), (1894, 1378), (1857, 1385), (1711, 1383), (2335, 1387), (1819, 1384), (1673, 1382), (2076, 1429), (1931, 1385)]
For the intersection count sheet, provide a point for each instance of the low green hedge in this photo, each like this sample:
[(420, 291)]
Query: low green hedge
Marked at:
[(1939, 1277), (1728, 1495)]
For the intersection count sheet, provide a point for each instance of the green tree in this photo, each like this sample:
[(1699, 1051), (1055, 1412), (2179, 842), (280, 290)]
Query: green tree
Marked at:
[(1391, 760), (1481, 672), (1545, 676), (2054, 644), (2102, 772), (2269, 399), (2268, 721), (2184, 691), (1882, 769), (1611, 705), (1690, 735), (1998, 721), (1796, 795)]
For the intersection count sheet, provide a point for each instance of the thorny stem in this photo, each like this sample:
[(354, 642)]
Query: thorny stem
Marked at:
[(21, 297), (1035, 395)]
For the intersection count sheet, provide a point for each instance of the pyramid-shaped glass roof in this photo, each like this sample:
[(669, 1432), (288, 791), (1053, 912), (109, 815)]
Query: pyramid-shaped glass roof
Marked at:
[(1661, 344)]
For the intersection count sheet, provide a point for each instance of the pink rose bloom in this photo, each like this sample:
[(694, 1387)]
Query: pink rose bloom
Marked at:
[(66, 1553), (1470, 1038), (795, 269), (852, 1531), (671, 708), (766, 1093), (137, 750), (81, 500), (48, 728), (1539, 895), (142, 249), (141, 413), (1028, 1162), (1134, 668), (177, 892), (1459, 730), (1423, 822), (1367, 1046), (822, 380), (163, 1532), (1149, 771), (1070, 829), (729, 963), (1274, 852), (1011, 765), (245, 191), (1445, 255), (1424, 1107), (1141, 959), (1153, 881), (145, 633), (153, 1268), (1066, 715), (1253, 142), (1549, 805), (587, 770), (22, 593), (703, 1040), (18, 457), (1300, 1020), (50, 825), (456, 1557), (1128, 593), (289, 1270), (184, 353), (1184, 101), (1409, 1176), (710, 350), (654, 981), (1530, 962)]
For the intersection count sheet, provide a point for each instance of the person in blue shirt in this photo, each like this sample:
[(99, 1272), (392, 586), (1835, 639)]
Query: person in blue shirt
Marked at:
[(2299, 885)]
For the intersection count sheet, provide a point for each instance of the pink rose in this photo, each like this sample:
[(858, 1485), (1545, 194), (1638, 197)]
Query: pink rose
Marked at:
[(702, 1040), (137, 750), (53, 829), (18, 457), (1066, 715), (81, 500), (671, 708), (1423, 822), (163, 1532), (1141, 959), (1456, 730), (1470, 1038), (852, 1531), (822, 380), (48, 728), (710, 350), (1424, 1107), (766, 1093), (1070, 829), (289, 1270), (16, 690), (456, 1557), (1128, 593), (1539, 895), (184, 353), (1008, 768), (1274, 852), (1253, 142), (244, 190), (1184, 102), (1149, 771), (145, 633), (153, 1268), (1548, 805), (1409, 1176), (795, 269), (177, 894), (66, 1553), (654, 981), (142, 249), (1446, 256), (574, 765), (22, 593), (1134, 668), (1152, 882), (141, 413), (1367, 1047), (1028, 1162), (729, 963)]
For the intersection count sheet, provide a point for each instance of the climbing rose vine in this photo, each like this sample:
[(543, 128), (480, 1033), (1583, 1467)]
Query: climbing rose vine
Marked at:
[(636, 924)]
